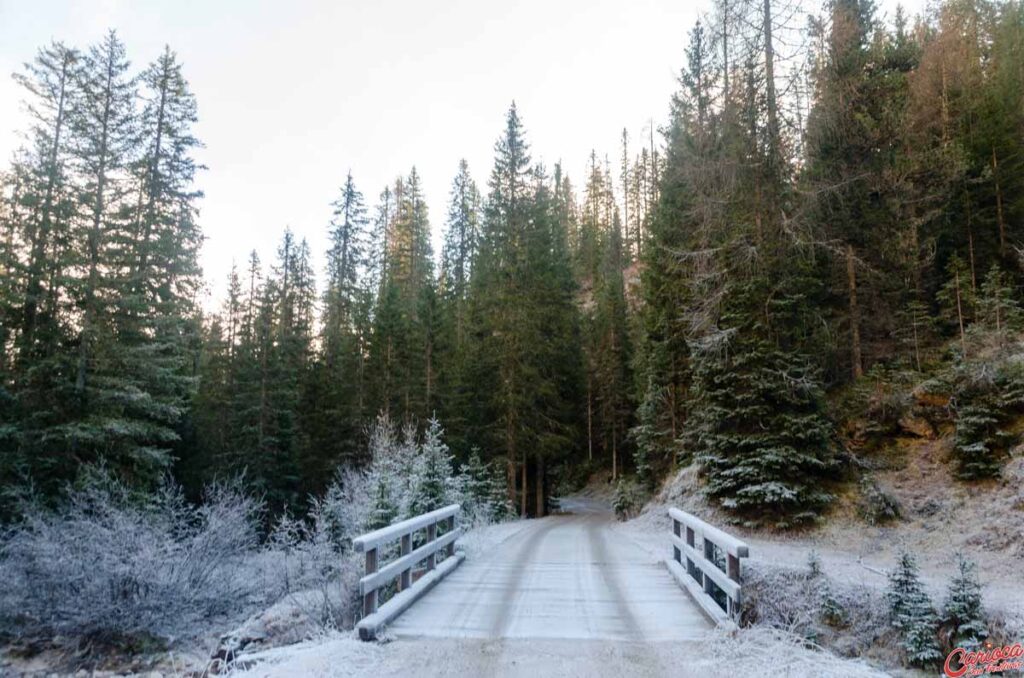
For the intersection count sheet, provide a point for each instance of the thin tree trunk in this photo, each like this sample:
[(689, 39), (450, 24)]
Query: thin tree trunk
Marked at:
[(769, 75), (725, 51), (615, 457), (539, 482), (960, 316), (590, 422), (970, 244), (917, 344), (510, 468), (672, 410), (523, 489), (999, 204), (851, 281)]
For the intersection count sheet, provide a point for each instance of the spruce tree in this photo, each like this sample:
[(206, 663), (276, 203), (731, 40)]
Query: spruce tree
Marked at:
[(963, 610), (434, 486), (911, 613), (526, 355), (613, 352), (42, 201), (150, 378), (333, 396), (998, 307)]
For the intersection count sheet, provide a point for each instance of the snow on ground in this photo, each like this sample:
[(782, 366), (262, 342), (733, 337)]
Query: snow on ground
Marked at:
[(856, 553), (572, 595), (753, 653), (564, 577)]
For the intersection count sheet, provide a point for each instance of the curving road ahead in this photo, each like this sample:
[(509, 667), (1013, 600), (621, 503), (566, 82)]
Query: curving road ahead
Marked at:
[(567, 577)]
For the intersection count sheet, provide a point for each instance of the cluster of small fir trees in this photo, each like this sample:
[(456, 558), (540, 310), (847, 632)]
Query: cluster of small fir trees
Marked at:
[(916, 622)]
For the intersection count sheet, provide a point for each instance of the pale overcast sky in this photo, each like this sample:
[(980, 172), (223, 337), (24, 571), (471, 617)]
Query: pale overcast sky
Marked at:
[(293, 94)]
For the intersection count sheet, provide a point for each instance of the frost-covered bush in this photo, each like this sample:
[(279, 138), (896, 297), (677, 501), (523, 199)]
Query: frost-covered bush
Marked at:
[(112, 563), (630, 496), (406, 477), (315, 564), (847, 618), (313, 557), (878, 401), (485, 492), (877, 506)]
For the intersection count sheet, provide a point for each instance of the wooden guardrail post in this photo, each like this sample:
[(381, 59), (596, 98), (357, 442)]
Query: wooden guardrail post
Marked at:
[(406, 579), (431, 536), (676, 553), (450, 527), (370, 597)]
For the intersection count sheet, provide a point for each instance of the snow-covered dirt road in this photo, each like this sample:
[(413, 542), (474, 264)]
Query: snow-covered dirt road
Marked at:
[(563, 577)]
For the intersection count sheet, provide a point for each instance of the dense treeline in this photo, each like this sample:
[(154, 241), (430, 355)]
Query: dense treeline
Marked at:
[(827, 199), (98, 323)]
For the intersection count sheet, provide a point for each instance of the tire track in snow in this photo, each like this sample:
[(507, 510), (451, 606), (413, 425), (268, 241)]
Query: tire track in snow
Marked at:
[(604, 567), (526, 550)]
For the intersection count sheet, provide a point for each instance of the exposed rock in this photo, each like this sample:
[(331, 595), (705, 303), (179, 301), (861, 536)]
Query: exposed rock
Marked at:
[(935, 400), (918, 426)]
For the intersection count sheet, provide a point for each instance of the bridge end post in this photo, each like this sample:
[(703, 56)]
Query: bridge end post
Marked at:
[(370, 599)]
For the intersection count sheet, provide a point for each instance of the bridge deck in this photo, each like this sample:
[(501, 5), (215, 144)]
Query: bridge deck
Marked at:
[(563, 577)]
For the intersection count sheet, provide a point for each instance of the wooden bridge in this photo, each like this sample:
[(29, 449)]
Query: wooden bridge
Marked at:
[(564, 576)]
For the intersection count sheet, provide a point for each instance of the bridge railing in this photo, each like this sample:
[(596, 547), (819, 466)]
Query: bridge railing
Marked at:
[(440, 534), (706, 562)]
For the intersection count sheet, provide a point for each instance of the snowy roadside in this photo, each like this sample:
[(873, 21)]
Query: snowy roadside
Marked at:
[(859, 558), (750, 654)]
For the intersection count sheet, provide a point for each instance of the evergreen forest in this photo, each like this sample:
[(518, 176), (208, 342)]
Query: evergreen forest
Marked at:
[(833, 201)]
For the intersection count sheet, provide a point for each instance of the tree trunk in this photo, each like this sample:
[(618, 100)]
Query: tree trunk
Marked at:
[(970, 244), (523, 490), (590, 422), (725, 51), (851, 281), (539, 483), (769, 76), (960, 316), (615, 457), (999, 205)]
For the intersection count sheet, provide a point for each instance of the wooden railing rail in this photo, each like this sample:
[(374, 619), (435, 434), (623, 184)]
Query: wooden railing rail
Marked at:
[(706, 562), (379, 574)]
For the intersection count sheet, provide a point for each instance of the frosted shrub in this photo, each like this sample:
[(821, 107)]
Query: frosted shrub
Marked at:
[(112, 563), (845, 617), (877, 505), (317, 568), (629, 498)]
